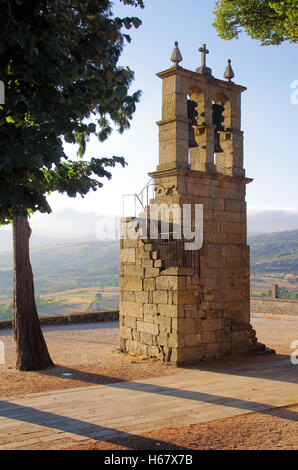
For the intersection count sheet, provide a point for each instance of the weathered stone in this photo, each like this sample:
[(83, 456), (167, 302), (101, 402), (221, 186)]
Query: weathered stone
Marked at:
[(176, 341), (150, 309), (162, 320), (148, 318), (133, 347), (169, 310), (122, 344), (133, 271), (147, 328), (212, 325), (146, 338), (127, 255), (148, 247), (147, 263), (129, 243), (193, 340), (214, 350), (178, 272), (121, 268), (160, 297), (158, 263), (130, 322), (152, 272), (209, 337), (136, 335), (167, 283), (186, 325), (125, 332), (143, 350), (142, 254), (130, 284), (191, 354), (127, 296), (131, 309), (142, 297), (149, 284), (162, 339)]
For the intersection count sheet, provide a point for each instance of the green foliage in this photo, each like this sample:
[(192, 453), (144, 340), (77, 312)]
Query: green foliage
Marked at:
[(283, 293), (96, 304), (134, 3), (43, 306), (270, 22), (5, 311), (62, 83), (258, 294)]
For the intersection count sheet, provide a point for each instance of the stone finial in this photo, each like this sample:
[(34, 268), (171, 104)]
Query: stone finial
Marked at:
[(229, 74), (176, 56)]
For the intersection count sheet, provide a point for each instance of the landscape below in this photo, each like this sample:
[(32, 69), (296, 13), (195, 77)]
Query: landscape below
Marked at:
[(83, 276)]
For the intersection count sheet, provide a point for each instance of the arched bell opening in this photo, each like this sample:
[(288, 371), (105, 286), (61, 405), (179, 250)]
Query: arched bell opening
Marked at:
[(195, 111), (226, 112), (198, 115), (221, 119)]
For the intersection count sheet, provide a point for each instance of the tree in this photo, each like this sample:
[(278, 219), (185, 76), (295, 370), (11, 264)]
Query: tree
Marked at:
[(271, 22), (59, 64)]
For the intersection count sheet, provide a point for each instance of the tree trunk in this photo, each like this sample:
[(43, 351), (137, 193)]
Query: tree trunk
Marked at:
[(32, 352)]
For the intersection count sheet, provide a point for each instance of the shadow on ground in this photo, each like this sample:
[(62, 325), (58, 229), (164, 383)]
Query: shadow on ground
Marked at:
[(275, 369), (26, 414)]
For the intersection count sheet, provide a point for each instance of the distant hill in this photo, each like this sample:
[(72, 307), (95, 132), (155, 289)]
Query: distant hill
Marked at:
[(82, 264), (38, 240), (274, 253), (69, 266)]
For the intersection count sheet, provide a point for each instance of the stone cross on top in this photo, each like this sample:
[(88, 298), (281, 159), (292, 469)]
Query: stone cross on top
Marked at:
[(203, 69), (204, 52)]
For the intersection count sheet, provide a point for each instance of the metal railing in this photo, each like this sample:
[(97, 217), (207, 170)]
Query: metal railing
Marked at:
[(173, 254), (140, 200)]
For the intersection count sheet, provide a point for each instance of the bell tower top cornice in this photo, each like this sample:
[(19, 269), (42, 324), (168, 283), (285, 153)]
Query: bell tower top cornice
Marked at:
[(178, 70)]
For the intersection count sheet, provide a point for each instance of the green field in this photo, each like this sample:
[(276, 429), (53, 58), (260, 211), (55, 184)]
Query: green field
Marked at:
[(78, 300), (274, 260), (275, 253), (68, 277)]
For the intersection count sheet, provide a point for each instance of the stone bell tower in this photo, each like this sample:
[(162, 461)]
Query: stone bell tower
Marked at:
[(177, 305)]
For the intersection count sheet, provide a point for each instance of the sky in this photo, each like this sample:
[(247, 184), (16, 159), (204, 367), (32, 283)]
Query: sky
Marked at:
[(269, 118)]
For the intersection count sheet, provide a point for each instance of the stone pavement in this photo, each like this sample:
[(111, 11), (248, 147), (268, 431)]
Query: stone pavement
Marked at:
[(48, 420)]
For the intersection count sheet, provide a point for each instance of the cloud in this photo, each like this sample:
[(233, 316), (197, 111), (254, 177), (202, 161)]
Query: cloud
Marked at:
[(63, 223), (69, 223), (271, 219)]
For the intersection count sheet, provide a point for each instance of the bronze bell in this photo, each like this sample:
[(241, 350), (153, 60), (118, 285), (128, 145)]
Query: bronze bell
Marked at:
[(191, 137), (217, 147), (192, 115)]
